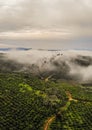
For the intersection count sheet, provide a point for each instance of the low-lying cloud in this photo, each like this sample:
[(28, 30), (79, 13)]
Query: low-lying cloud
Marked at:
[(68, 65)]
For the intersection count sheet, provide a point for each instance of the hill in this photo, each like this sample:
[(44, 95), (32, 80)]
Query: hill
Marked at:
[(56, 65), (26, 102)]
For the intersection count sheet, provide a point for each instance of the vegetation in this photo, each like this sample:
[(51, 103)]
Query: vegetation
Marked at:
[(26, 102)]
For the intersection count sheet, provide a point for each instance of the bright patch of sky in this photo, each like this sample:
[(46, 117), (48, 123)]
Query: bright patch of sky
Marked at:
[(7, 2)]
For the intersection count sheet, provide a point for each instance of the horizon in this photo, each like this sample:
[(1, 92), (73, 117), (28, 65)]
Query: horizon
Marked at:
[(39, 49)]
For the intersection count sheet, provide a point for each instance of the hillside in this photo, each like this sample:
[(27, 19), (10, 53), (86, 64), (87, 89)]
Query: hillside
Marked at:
[(26, 102), (57, 65)]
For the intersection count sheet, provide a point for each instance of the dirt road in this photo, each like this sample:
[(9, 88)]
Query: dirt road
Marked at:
[(49, 121), (64, 108)]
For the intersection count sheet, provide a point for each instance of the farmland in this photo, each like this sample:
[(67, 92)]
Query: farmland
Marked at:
[(27, 102)]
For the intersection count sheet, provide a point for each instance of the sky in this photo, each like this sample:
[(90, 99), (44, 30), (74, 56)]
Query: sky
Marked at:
[(46, 24)]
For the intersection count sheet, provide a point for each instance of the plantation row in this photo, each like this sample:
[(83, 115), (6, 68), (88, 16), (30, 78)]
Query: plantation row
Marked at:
[(77, 117), (26, 102)]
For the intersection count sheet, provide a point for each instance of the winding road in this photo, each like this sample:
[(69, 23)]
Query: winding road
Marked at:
[(52, 118), (49, 121)]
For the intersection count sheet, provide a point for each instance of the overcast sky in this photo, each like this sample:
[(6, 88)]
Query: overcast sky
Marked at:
[(65, 24)]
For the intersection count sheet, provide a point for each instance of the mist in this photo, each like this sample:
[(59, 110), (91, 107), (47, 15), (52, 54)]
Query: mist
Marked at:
[(68, 65)]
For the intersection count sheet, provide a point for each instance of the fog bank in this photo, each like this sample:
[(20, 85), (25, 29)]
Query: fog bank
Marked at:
[(69, 65)]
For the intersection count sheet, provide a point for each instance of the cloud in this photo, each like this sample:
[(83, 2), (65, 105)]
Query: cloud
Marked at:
[(5, 45), (60, 18), (73, 65)]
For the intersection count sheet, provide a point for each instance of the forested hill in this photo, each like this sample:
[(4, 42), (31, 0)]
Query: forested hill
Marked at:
[(47, 64)]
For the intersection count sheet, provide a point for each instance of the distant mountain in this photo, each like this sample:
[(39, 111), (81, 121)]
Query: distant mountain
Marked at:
[(23, 49), (54, 50), (18, 48), (5, 49)]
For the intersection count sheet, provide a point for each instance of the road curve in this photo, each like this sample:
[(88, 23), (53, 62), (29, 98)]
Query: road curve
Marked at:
[(70, 98), (49, 121)]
